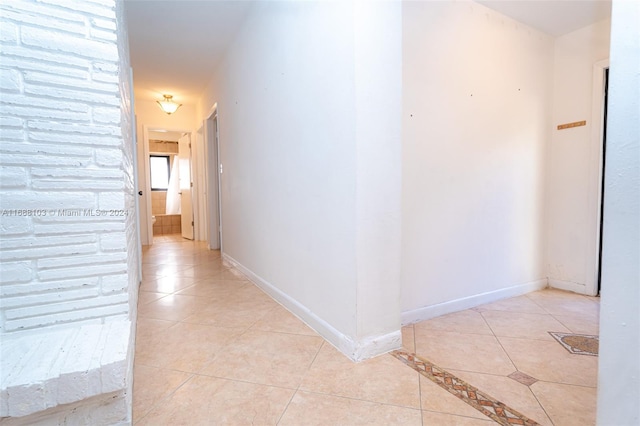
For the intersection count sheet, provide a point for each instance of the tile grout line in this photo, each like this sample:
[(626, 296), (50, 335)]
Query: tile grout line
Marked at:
[(487, 405), (415, 348), (166, 397), (495, 336), (286, 407), (299, 384), (516, 367), (539, 305), (368, 401)]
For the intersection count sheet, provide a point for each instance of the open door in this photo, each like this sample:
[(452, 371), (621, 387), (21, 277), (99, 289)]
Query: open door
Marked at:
[(214, 171), (186, 206)]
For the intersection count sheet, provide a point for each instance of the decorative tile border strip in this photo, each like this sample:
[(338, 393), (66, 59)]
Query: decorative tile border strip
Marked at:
[(479, 400), (579, 344)]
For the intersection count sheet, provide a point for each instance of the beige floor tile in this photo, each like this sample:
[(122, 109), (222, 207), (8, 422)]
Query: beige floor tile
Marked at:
[(208, 288), (145, 297), (567, 405), (430, 418), (266, 358), (558, 302), (249, 294), (309, 409), (167, 285), (212, 401), (549, 361), (458, 351), (234, 310), (213, 262), (197, 314), (509, 392), (383, 379), (204, 271), (162, 270), (434, 398), (185, 347), (147, 328), (519, 324), (208, 255), (515, 304), (172, 307), (231, 274), (468, 321), (581, 324), (408, 338), (281, 320), (151, 385), (187, 260)]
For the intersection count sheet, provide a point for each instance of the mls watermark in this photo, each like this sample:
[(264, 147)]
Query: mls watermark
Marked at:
[(64, 213)]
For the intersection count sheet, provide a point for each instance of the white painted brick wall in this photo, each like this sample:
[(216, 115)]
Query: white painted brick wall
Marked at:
[(51, 287), (130, 195), (10, 226), (63, 367), (66, 153)]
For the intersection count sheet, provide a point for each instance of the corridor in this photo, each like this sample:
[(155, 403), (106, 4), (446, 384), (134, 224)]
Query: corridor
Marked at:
[(212, 348)]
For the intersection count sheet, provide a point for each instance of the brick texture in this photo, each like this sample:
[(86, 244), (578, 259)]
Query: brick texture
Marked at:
[(67, 148), (68, 242)]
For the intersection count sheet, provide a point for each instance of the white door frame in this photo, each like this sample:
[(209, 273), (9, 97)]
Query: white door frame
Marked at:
[(186, 188), (200, 203), (147, 183), (213, 177), (136, 197), (595, 178)]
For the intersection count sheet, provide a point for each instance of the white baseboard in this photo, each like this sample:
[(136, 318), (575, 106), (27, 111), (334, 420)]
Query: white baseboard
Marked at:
[(568, 285), (355, 350), (428, 312)]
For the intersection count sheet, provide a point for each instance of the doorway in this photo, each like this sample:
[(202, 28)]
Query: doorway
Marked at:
[(167, 170), (214, 176), (596, 175), (185, 185)]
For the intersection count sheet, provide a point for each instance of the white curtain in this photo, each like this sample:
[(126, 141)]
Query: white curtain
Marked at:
[(173, 196)]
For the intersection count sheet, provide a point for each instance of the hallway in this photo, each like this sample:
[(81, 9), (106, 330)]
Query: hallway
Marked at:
[(212, 348)]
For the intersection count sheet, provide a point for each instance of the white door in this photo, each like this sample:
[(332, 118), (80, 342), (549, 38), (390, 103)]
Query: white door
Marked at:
[(184, 167), (199, 194), (213, 182)]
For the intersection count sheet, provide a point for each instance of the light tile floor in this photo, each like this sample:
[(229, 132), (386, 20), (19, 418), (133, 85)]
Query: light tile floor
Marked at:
[(213, 349)]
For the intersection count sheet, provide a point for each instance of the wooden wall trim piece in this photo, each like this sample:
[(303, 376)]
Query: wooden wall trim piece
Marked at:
[(570, 125)]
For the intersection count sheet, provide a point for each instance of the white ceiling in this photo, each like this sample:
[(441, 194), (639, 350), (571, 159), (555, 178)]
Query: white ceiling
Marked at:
[(554, 17), (175, 45)]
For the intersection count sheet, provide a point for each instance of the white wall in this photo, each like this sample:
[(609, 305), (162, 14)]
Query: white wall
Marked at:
[(619, 359), (476, 96), (378, 122), (573, 171), (292, 126)]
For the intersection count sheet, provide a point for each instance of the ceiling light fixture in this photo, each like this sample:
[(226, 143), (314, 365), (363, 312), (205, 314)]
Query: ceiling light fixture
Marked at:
[(168, 105)]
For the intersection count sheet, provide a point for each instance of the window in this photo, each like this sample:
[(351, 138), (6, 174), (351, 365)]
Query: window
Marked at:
[(160, 170)]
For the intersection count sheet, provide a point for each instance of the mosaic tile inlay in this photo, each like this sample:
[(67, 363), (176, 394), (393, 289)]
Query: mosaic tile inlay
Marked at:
[(482, 402), (579, 344)]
